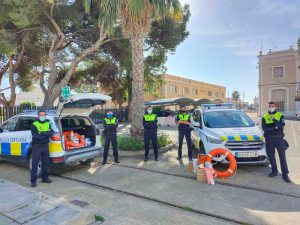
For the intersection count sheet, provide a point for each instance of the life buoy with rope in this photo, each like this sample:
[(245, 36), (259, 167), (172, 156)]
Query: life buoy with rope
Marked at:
[(232, 162), (70, 144)]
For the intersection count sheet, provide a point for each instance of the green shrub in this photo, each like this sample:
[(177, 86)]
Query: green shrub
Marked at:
[(128, 143), (27, 105), (163, 140)]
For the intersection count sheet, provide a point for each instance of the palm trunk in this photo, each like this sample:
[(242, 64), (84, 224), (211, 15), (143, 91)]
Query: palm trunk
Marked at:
[(137, 109)]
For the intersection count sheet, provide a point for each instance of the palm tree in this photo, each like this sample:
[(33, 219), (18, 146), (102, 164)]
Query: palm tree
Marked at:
[(135, 18), (235, 96)]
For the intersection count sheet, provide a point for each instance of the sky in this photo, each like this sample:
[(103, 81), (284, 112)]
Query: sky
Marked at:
[(226, 37)]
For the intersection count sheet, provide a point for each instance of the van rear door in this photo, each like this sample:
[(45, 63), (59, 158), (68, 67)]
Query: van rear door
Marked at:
[(81, 104)]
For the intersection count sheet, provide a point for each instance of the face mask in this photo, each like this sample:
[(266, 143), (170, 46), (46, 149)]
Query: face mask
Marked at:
[(109, 114), (183, 110), (272, 109), (42, 118), (149, 111)]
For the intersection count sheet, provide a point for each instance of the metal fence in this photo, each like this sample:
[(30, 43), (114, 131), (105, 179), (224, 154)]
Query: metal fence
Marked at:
[(97, 116)]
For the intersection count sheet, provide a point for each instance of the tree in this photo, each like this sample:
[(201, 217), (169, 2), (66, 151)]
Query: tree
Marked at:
[(17, 32), (135, 18), (235, 96)]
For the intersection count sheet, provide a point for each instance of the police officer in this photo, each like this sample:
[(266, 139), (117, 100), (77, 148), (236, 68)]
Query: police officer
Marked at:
[(273, 125), (183, 120), (110, 124), (41, 132), (150, 133)]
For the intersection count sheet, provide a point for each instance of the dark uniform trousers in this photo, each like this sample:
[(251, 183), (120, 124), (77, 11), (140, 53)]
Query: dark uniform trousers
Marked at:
[(278, 143), (39, 152), (150, 135), (113, 139), (187, 134)]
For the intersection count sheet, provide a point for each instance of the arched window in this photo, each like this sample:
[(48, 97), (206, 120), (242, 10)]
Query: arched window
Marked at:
[(279, 97)]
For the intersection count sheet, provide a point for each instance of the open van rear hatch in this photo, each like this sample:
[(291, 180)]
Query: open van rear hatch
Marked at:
[(81, 104)]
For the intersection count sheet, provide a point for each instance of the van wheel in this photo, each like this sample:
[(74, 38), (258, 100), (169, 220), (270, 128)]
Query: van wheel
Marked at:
[(87, 161), (39, 168)]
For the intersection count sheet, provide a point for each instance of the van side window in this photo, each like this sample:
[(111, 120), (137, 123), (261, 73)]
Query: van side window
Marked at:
[(25, 123), (197, 117), (10, 124)]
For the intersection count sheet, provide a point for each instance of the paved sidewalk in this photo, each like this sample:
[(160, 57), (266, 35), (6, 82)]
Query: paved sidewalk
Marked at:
[(20, 205)]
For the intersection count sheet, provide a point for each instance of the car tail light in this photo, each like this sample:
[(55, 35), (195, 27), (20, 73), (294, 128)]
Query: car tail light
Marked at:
[(55, 137), (57, 159)]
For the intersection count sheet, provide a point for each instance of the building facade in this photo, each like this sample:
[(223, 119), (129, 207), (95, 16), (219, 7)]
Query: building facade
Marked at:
[(279, 80), (175, 87)]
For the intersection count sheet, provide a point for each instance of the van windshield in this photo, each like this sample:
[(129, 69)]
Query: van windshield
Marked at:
[(227, 119)]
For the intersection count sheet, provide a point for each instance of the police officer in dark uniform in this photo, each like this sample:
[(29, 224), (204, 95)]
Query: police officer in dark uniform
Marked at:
[(150, 133), (41, 132), (273, 125), (183, 120), (110, 124)]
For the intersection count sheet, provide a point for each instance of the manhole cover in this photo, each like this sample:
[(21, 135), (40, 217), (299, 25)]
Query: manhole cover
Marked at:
[(79, 203)]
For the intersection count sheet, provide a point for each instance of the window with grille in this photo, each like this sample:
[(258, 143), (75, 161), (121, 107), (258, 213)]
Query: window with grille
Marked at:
[(278, 71), (173, 89), (209, 93), (279, 98), (185, 90), (195, 91)]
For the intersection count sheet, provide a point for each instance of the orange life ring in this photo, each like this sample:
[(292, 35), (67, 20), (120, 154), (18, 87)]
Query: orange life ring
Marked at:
[(232, 162), (69, 144)]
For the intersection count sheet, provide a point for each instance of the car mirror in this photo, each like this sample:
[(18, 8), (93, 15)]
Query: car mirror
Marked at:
[(256, 122), (197, 124), (1, 130)]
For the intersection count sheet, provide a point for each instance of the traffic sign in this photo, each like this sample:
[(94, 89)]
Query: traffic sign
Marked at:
[(65, 92)]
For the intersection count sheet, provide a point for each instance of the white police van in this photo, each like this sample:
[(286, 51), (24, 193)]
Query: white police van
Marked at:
[(73, 114), (223, 126)]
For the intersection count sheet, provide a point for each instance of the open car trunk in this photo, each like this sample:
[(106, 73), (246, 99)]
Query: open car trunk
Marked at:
[(78, 132)]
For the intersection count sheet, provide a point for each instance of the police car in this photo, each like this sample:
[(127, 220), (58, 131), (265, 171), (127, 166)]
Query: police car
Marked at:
[(223, 126), (71, 115)]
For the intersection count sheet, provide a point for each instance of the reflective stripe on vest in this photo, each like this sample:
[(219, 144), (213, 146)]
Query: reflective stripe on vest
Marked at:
[(42, 127), (183, 117), (112, 121), (150, 118), (269, 119)]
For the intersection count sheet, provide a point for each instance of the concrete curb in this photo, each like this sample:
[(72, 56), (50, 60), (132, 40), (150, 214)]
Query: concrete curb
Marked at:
[(142, 152), (33, 207)]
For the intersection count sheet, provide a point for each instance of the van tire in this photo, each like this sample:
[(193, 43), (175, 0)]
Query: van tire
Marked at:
[(39, 170), (87, 161)]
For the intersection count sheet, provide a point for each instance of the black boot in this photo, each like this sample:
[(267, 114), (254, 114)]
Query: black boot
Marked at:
[(286, 178), (273, 174)]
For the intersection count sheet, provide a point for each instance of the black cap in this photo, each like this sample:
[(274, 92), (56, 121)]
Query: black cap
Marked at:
[(41, 110)]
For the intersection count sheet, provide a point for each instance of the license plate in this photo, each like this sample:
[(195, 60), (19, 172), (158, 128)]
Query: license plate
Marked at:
[(246, 154)]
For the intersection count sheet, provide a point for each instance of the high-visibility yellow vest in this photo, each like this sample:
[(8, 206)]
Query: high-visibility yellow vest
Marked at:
[(42, 127), (112, 121), (269, 119), (184, 117), (150, 117)]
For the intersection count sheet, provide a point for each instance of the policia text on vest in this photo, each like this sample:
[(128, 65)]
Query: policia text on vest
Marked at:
[(110, 124), (273, 125), (150, 134), (41, 132), (184, 119)]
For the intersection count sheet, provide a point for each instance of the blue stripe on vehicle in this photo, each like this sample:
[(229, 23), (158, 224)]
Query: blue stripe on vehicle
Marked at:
[(231, 138), (256, 137), (5, 148), (24, 148), (244, 137)]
